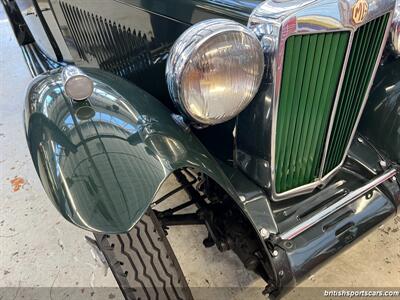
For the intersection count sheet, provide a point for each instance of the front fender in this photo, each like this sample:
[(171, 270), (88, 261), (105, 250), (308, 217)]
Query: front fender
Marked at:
[(102, 161)]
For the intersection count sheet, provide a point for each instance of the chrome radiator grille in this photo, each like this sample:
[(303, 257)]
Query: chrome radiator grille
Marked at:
[(367, 42), (321, 58), (311, 72)]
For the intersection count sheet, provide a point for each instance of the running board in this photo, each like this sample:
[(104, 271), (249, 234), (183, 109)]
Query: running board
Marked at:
[(346, 200)]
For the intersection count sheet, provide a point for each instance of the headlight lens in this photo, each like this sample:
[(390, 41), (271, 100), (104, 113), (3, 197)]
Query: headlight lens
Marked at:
[(214, 70)]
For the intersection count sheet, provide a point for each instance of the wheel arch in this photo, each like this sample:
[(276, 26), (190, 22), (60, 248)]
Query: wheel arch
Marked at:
[(103, 160)]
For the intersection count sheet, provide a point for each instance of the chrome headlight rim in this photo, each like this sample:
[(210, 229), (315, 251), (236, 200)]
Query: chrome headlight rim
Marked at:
[(187, 46), (395, 30)]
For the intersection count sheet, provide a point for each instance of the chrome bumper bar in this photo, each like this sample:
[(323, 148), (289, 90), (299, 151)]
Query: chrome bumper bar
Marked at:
[(346, 200)]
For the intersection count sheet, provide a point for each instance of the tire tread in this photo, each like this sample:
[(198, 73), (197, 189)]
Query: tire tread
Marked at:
[(143, 262)]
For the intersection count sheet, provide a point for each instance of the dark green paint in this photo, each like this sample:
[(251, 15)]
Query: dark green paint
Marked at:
[(102, 161), (380, 123), (253, 200), (365, 49), (310, 77), (135, 38), (193, 11), (165, 21), (321, 243)]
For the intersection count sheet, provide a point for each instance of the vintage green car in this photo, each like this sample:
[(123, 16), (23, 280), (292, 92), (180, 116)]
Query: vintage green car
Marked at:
[(280, 119)]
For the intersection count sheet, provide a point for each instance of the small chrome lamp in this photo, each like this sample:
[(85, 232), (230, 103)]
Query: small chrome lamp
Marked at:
[(77, 84)]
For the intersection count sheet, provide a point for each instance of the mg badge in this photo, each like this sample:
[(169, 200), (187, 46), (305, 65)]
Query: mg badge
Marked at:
[(360, 11)]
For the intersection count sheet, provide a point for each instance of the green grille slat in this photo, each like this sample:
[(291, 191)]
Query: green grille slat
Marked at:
[(311, 73), (364, 53)]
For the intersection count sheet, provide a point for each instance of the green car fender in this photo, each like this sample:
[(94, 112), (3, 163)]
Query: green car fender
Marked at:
[(102, 160)]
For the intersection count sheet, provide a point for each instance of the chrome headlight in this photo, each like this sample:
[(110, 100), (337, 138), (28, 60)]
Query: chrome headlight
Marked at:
[(214, 70), (395, 30)]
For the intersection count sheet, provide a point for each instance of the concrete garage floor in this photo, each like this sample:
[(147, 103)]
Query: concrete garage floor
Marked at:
[(38, 248)]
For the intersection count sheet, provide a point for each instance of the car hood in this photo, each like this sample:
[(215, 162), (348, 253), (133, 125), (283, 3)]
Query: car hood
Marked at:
[(193, 11)]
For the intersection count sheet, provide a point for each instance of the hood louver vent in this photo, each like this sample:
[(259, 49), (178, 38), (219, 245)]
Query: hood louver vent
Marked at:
[(114, 48)]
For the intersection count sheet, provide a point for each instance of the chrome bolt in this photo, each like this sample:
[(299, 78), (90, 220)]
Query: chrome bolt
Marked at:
[(360, 140), (393, 179), (179, 120), (264, 233), (383, 164), (275, 253)]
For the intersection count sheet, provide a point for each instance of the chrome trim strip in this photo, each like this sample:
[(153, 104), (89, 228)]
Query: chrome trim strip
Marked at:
[(335, 104), (273, 22), (346, 200), (36, 56)]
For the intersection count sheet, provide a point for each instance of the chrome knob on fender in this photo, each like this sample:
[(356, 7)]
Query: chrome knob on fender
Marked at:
[(77, 84)]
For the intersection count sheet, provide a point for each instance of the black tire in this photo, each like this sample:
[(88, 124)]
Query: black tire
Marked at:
[(144, 263)]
